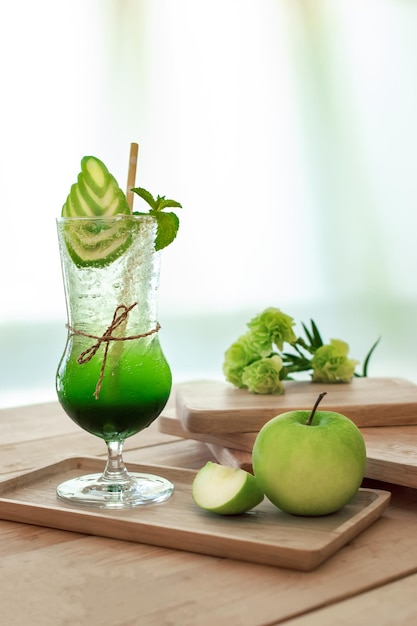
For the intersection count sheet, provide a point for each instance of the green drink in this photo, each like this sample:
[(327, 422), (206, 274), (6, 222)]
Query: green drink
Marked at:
[(113, 379), (132, 395)]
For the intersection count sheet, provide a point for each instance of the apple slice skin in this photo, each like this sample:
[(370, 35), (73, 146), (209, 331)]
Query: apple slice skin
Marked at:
[(225, 490), (96, 195), (96, 192), (91, 243), (309, 470)]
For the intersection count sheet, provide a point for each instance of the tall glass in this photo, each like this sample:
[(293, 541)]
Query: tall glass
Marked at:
[(113, 379)]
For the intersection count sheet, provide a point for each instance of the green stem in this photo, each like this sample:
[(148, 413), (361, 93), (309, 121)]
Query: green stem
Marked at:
[(303, 344)]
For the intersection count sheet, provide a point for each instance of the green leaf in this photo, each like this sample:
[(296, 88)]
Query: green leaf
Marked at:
[(368, 357), (145, 195), (307, 333), (163, 203), (168, 224), (318, 342)]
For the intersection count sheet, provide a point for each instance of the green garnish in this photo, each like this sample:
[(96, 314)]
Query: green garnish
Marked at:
[(91, 243), (96, 194), (167, 223)]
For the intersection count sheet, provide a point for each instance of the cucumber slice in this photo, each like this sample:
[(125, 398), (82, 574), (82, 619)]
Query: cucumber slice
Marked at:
[(96, 194)]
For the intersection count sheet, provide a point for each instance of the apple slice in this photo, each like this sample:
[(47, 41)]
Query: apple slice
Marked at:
[(225, 490), (96, 195), (92, 242)]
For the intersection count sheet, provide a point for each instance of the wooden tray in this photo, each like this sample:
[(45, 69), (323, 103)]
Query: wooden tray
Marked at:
[(212, 406), (264, 535), (391, 451)]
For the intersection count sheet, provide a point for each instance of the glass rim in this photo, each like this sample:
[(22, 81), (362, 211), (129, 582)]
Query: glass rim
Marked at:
[(104, 218)]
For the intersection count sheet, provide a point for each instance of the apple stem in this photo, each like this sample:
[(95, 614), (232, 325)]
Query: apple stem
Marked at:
[(319, 399)]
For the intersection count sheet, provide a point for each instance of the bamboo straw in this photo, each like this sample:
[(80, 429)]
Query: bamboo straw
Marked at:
[(131, 176), (117, 349)]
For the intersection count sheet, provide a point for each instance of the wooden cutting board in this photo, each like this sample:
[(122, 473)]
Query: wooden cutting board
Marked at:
[(218, 407), (169, 423), (263, 535), (391, 450)]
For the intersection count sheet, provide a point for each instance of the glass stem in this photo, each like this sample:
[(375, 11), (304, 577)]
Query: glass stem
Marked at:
[(115, 470)]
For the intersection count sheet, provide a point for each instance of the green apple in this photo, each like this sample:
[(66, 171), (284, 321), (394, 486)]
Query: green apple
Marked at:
[(309, 463), (225, 490)]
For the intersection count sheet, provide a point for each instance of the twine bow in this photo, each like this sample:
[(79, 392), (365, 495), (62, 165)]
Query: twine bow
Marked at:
[(120, 315)]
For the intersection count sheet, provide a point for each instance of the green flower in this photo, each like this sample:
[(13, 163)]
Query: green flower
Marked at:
[(331, 364), (271, 327), (262, 376), (237, 357)]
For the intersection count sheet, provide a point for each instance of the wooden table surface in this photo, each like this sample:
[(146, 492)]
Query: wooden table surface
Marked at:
[(54, 577)]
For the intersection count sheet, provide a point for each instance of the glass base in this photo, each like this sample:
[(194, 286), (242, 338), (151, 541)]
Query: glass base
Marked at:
[(94, 491)]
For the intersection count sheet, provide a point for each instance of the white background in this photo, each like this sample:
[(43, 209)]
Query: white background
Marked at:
[(286, 129)]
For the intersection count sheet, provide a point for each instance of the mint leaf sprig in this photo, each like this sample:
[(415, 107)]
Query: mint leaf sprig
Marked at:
[(167, 223)]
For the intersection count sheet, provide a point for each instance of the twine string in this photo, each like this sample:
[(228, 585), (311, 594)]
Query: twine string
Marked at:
[(120, 315)]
